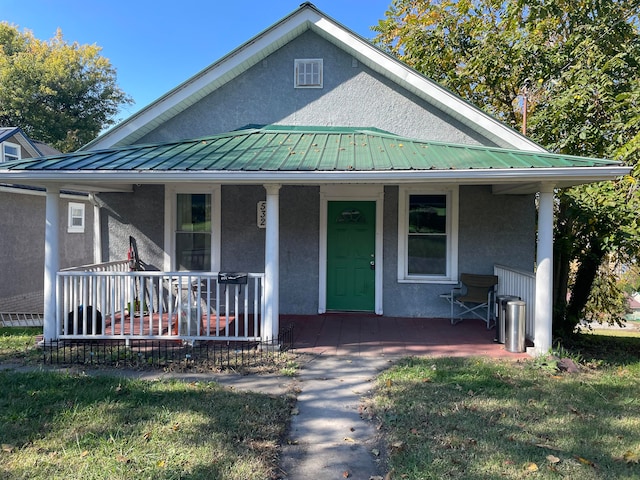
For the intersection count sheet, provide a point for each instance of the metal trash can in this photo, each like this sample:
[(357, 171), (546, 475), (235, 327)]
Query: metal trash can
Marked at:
[(515, 326), (501, 313)]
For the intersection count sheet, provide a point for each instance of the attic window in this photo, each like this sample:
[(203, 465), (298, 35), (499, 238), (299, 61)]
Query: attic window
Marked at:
[(10, 151), (308, 73)]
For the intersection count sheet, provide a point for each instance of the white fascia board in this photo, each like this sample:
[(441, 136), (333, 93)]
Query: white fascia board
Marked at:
[(115, 180), (428, 90), (79, 197)]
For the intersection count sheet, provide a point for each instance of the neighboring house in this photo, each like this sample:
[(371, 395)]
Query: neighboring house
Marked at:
[(22, 213), (345, 179), (633, 303)]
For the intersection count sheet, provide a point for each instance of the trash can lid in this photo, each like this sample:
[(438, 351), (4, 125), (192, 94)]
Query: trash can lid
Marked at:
[(516, 302)]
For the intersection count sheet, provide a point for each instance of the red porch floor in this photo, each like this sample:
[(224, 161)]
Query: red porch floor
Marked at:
[(370, 335)]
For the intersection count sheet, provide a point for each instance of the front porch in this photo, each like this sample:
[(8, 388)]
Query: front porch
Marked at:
[(374, 336), (108, 302)]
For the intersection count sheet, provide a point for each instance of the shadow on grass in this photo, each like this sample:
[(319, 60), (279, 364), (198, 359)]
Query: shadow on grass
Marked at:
[(480, 419), (609, 350), (62, 426)]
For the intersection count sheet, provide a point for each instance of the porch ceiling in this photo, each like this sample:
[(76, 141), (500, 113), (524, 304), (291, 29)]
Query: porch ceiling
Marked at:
[(308, 155)]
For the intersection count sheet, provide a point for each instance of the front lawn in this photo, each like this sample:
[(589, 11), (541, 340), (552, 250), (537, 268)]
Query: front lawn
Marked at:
[(18, 344), (486, 419), (73, 426)]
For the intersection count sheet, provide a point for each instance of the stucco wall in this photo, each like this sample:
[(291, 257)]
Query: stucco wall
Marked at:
[(493, 229), (351, 96), (139, 214), (22, 221)]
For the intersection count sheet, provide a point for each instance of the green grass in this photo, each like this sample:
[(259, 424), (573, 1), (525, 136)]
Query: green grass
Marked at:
[(606, 348), (62, 426), (18, 344), (612, 332), (485, 419)]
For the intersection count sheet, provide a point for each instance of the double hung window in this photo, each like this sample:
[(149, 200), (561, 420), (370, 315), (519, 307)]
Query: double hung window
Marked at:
[(76, 218), (427, 235), (193, 231)]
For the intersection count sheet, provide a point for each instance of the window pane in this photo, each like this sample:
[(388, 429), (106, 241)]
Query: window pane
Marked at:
[(10, 153), (308, 73), (193, 251), (194, 213), (193, 232), (428, 214), (427, 255)]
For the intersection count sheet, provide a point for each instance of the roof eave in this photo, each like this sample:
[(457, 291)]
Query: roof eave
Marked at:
[(514, 180)]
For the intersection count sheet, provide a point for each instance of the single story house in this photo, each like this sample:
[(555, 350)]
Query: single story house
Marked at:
[(305, 172), (22, 210)]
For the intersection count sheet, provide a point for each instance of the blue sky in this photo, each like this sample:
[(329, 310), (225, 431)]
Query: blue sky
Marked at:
[(156, 44)]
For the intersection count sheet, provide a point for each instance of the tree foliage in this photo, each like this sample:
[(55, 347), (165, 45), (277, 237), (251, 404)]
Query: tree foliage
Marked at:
[(60, 93), (579, 61)]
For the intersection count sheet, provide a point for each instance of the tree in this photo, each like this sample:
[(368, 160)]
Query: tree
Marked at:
[(579, 61), (59, 93)]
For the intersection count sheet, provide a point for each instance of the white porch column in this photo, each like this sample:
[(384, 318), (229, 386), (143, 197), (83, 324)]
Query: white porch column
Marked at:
[(272, 264), (544, 272), (51, 261)]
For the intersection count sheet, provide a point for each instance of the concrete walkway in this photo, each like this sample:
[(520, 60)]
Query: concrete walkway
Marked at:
[(328, 438)]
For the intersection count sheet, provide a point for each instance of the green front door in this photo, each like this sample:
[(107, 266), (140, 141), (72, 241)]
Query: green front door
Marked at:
[(351, 245)]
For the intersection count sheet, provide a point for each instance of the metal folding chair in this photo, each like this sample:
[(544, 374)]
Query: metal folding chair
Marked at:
[(474, 296)]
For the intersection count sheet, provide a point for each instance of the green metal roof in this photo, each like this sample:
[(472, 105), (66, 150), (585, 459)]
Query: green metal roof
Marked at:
[(301, 149)]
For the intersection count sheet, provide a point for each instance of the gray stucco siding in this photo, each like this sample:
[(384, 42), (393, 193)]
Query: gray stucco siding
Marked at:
[(496, 229), (351, 96), (22, 221), (492, 229), (299, 249), (139, 214), (242, 242)]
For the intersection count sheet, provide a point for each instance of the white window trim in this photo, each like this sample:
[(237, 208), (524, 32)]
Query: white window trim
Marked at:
[(302, 61), (452, 194), (170, 200), (4, 153), (71, 228)]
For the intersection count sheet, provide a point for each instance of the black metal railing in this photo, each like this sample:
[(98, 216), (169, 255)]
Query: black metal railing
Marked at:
[(168, 354)]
